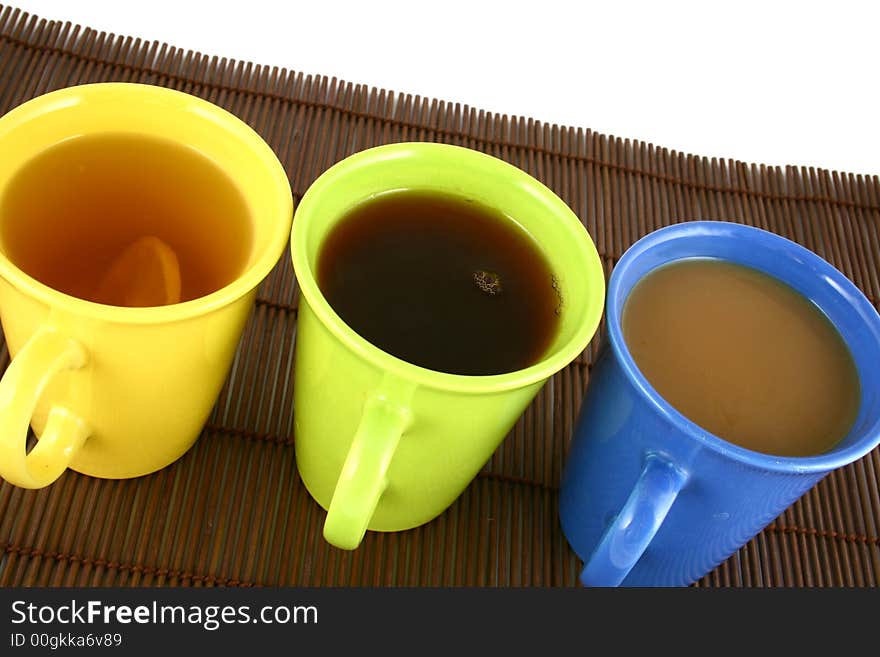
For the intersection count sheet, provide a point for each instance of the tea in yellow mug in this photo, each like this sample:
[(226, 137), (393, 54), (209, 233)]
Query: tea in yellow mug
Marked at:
[(114, 391), (381, 443)]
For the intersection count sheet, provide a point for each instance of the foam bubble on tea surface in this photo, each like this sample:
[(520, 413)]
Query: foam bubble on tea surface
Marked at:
[(146, 273)]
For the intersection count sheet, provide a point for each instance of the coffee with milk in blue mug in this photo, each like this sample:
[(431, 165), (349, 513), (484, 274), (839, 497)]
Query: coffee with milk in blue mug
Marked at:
[(651, 497)]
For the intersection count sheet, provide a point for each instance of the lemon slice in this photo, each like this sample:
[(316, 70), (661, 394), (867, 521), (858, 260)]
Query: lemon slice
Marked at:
[(147, 273)]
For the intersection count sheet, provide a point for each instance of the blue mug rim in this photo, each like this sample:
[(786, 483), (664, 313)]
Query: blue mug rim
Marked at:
[(824, 462)]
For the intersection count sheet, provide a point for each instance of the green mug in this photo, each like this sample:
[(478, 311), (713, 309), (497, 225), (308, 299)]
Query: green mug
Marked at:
[(383, 444)]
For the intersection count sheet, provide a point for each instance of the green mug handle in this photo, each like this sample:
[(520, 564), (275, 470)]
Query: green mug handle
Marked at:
[(363, 477)]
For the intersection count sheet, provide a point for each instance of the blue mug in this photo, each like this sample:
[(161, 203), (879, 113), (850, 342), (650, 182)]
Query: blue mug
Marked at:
[(648, 498)]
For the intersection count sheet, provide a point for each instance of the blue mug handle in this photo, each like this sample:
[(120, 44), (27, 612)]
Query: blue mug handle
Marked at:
[(627, 537)]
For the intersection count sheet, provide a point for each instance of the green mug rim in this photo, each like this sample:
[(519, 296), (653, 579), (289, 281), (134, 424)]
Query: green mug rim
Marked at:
[(557, 359)]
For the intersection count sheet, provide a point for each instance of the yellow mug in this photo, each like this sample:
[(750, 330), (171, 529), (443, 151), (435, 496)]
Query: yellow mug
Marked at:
[(111, 391)]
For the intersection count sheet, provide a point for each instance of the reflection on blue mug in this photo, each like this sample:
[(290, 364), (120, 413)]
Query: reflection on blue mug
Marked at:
[(649, 498)]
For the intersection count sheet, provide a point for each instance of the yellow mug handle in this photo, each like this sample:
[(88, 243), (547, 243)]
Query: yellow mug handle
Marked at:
[(43, 356)]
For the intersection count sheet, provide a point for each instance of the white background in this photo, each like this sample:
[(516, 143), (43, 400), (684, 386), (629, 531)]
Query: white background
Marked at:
[(767, 82)]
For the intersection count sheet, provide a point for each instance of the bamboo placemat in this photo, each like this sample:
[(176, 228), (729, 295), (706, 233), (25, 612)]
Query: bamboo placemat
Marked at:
[(233, 511)]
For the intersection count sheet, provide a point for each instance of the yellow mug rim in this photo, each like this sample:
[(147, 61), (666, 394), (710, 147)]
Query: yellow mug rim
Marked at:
[(246, 281)]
